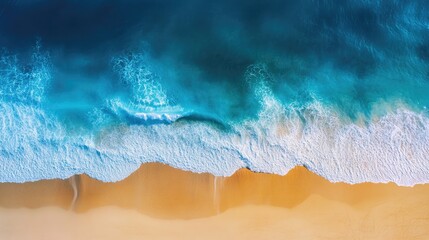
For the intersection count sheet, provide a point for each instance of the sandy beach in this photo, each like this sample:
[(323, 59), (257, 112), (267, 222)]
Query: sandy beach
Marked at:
[(160, 202)]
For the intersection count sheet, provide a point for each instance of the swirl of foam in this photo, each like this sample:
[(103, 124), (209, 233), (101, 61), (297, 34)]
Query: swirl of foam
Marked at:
[(135, 71), (25, 82)]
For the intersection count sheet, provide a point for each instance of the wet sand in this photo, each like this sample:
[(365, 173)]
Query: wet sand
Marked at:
[(160, 202)]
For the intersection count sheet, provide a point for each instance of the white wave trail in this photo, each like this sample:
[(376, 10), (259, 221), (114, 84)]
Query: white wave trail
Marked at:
[(392, 148)]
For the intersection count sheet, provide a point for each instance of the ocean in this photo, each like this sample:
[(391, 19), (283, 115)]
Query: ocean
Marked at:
[(101, 87)]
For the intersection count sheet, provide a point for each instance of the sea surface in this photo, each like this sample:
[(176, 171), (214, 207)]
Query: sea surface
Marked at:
[(101, 87)]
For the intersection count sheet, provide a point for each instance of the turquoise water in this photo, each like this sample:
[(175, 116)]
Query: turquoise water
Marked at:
[(102, 87)]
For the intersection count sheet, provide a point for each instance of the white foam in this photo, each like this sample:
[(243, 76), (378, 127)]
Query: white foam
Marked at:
[(21, 84), (391, 148), (158, 116), (135, 70)]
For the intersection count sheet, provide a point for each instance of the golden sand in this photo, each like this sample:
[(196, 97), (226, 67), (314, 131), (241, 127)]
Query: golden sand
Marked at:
[(160, 202)]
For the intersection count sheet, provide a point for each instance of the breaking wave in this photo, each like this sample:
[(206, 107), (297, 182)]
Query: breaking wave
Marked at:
[(393, 147)]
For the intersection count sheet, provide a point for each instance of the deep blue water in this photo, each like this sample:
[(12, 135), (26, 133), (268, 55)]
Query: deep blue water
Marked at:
[(89, 66)]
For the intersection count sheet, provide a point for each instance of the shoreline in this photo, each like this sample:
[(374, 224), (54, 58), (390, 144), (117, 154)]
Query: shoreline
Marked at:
[(161, 183), (158, 195)]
